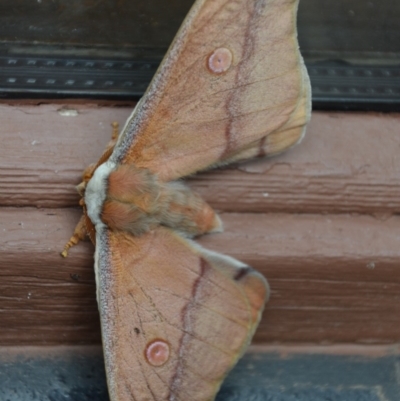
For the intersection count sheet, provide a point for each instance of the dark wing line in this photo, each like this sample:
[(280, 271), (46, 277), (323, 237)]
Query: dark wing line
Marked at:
[(166, 321), (202, 305), (149, 299), (275, 40), (235, 88), (217, 284), (195, 251), (227, 118), (140, 357), (252, 83), (213, 282), (214, 38), (137, 312), (129, 390)]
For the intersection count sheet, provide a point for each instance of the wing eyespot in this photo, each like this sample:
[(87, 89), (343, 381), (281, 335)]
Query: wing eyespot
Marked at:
[(220, 60), (157, 352)]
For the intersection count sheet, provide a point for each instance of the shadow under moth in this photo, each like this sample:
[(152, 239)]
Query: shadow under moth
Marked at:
[(175, 317)]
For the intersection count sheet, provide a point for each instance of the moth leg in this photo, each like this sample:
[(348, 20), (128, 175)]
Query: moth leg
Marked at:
[(81, 231), (89, 170), (80, 234), (115, 131)]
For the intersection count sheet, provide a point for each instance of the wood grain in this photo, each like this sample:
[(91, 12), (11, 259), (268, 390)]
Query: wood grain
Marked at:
[(334, 278), (348, 162), (334, 272)]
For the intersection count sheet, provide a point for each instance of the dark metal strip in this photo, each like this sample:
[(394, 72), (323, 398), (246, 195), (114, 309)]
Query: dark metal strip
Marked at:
[(333, 85)]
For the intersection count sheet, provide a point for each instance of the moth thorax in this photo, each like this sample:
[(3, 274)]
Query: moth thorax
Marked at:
[(137, 202), (131, 200)]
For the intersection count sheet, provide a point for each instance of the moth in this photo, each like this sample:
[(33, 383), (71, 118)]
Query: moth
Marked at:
[(175, 317)]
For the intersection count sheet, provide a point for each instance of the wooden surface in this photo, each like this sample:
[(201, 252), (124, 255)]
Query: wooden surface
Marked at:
[(320, 222), (347, 162)]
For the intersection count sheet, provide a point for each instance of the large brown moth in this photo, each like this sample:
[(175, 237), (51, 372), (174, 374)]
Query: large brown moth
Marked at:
[(176, 317)]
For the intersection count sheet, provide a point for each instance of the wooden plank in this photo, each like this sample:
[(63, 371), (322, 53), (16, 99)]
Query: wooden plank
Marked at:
[(334, 278), (348, 162), (44, 149)]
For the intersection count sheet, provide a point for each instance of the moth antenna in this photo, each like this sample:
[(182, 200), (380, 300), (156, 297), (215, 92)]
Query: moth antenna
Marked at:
[(79, 234), (115, 130)]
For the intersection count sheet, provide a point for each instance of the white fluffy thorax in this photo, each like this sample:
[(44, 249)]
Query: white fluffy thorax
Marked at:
[(95, 192)]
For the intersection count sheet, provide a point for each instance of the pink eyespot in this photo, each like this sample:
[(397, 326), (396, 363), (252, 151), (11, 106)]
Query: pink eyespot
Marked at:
[(220, 60), (157, 352)]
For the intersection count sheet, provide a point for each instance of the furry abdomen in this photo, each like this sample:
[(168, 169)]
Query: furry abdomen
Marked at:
[(137, 202)]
